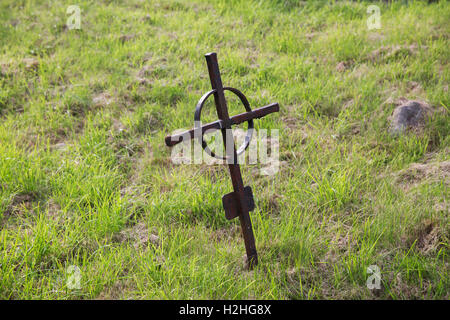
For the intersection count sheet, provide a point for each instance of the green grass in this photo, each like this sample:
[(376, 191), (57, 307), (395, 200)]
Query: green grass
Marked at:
[(91, 184)]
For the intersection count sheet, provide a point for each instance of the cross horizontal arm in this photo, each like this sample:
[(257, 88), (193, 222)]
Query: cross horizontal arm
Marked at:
[(217, 125)]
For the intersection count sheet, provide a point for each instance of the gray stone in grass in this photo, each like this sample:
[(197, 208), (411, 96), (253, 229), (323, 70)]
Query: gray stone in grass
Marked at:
[(410, 114)]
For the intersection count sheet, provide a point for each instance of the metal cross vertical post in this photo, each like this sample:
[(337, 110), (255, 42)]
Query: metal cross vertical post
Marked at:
[(233, 165)]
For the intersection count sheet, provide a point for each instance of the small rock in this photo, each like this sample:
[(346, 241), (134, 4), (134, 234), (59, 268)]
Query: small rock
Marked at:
[(409, 115)]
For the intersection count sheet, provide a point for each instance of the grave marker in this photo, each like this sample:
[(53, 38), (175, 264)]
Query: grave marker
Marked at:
[(239, 202)]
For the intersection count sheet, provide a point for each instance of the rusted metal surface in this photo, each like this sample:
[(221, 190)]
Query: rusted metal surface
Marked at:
[(229, 202), (217, 125), (239, 202)]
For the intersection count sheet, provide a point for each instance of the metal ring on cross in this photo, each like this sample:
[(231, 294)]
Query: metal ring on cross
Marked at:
[(197, 122)]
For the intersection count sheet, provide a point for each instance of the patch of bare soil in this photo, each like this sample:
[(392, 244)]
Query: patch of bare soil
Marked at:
[(375, 36), (4, 69), (139, 235), (442, 206), (126, 37), (102, 100), (272, 205), (290, 118), (394, 52), (299, 282), (340, 245), (148, 70), (59, 146), (19, 203), (402, 290), (417, 172), (343, 66), (226, 234), (53, 210), (415, 89), (30, 63), (312, 35), (360, 71), (428, 238), (10, 68), (213, 172), (117, 290), (397, 102)]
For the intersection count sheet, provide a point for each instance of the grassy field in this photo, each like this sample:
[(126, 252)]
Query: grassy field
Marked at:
[(87, 181)]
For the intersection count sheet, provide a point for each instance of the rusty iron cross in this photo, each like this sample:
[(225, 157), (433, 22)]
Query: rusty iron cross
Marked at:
[(240, 202)]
